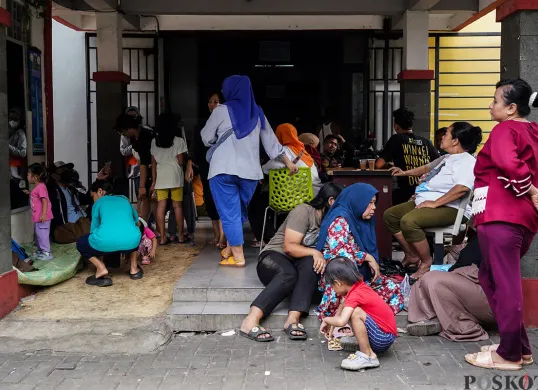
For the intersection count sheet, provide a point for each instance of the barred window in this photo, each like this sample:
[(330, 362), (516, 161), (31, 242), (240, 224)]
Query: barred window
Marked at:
[(16, 30)]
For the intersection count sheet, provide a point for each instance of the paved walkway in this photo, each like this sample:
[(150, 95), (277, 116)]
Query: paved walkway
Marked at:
[(218, 362)]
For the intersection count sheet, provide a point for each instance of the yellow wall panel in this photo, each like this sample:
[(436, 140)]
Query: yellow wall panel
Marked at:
[(464, 103), (469, 79), (469, 66), (476, 41), (464, 115), (431, 41), (466, 91), (470, 54), (431, 59)]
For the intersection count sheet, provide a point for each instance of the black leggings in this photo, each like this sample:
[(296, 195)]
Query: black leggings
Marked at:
[(284, 277)]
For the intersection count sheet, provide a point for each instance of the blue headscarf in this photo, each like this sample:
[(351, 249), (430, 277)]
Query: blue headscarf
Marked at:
[(351, 205), (244, 112)]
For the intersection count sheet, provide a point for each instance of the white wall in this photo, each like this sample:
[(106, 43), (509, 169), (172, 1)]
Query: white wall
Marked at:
[(69, 83)]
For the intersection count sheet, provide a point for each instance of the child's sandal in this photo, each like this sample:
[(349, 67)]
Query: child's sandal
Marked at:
[(334, 345)]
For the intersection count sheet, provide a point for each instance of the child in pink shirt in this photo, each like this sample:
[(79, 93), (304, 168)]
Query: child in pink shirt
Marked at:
[(41, 211), (148, 243)]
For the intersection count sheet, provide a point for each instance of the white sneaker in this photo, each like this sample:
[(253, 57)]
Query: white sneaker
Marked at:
[(359, 361), (36, 254), (45, 256)]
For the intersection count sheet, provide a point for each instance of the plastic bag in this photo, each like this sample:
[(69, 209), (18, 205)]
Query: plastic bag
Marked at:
[(405, 288)]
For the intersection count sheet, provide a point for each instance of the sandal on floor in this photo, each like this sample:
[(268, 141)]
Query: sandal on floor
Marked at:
[(223, 254), (167, 242), (255, 334), (138, 275), (338, 332), (230, 262), (296, 327), (485, 360), (99, 282), (349, 344), (335, 345), (527, 361), (424, 328)]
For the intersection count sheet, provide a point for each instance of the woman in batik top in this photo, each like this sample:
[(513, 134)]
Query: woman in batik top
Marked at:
[(348, 230)]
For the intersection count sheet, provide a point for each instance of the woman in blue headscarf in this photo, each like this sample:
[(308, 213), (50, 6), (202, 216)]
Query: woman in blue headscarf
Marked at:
[(233, 133), (348, 230)]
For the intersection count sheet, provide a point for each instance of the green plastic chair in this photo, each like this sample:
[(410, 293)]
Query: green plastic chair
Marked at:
[(286, 192)]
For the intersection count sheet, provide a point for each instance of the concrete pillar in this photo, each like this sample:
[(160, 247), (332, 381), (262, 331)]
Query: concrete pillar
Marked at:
[(519, 52), (111, 88), (415, 79), (9, 286)]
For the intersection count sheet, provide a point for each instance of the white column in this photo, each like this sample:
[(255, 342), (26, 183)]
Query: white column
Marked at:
[(109, 41), (415, 28)]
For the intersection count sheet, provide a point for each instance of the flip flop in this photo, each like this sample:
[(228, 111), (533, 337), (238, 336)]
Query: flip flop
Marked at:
[(527, 361), (230, 262), (167, 242), (349, 344), (338, 332), (138, 275), (485, 360), (334, 345), (223, 254), (255, 333), (296, 327), (424, 328), (99, 282)]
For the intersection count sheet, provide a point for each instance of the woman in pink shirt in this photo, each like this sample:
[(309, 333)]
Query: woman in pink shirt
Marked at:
[(505, 212), (41, 211)]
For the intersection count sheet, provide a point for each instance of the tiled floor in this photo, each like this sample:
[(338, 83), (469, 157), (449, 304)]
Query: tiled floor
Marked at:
[(218, 362)]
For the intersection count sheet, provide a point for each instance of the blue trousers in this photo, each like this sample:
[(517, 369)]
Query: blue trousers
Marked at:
[(232, 195)]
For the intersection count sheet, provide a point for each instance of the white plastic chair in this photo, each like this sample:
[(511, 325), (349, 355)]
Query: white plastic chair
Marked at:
[(454, 230)]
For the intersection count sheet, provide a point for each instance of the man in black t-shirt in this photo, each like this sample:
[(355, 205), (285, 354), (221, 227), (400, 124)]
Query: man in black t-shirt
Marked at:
[(407, 151), (141, 138)]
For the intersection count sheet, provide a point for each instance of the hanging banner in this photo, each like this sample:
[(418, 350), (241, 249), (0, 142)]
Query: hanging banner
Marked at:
[(36, 101)]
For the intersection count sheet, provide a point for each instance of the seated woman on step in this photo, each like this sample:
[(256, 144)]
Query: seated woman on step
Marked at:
[(113, 230), (437, 198), (289, 266), (348, 230), (452, 303)]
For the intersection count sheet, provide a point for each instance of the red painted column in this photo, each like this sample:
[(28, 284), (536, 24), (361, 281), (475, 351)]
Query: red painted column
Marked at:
[(9, 292)]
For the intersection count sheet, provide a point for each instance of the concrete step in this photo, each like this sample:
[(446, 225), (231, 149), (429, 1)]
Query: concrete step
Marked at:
[(216, 316), (206, 281)]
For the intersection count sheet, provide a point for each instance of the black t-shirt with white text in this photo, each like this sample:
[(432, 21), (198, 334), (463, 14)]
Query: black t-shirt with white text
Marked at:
[(408, 151)]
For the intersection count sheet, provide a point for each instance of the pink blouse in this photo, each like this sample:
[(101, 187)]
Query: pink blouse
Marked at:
[(504, 171)]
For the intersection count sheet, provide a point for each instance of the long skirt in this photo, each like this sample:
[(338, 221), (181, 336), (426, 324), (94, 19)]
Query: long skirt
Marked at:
[(456, 299)]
